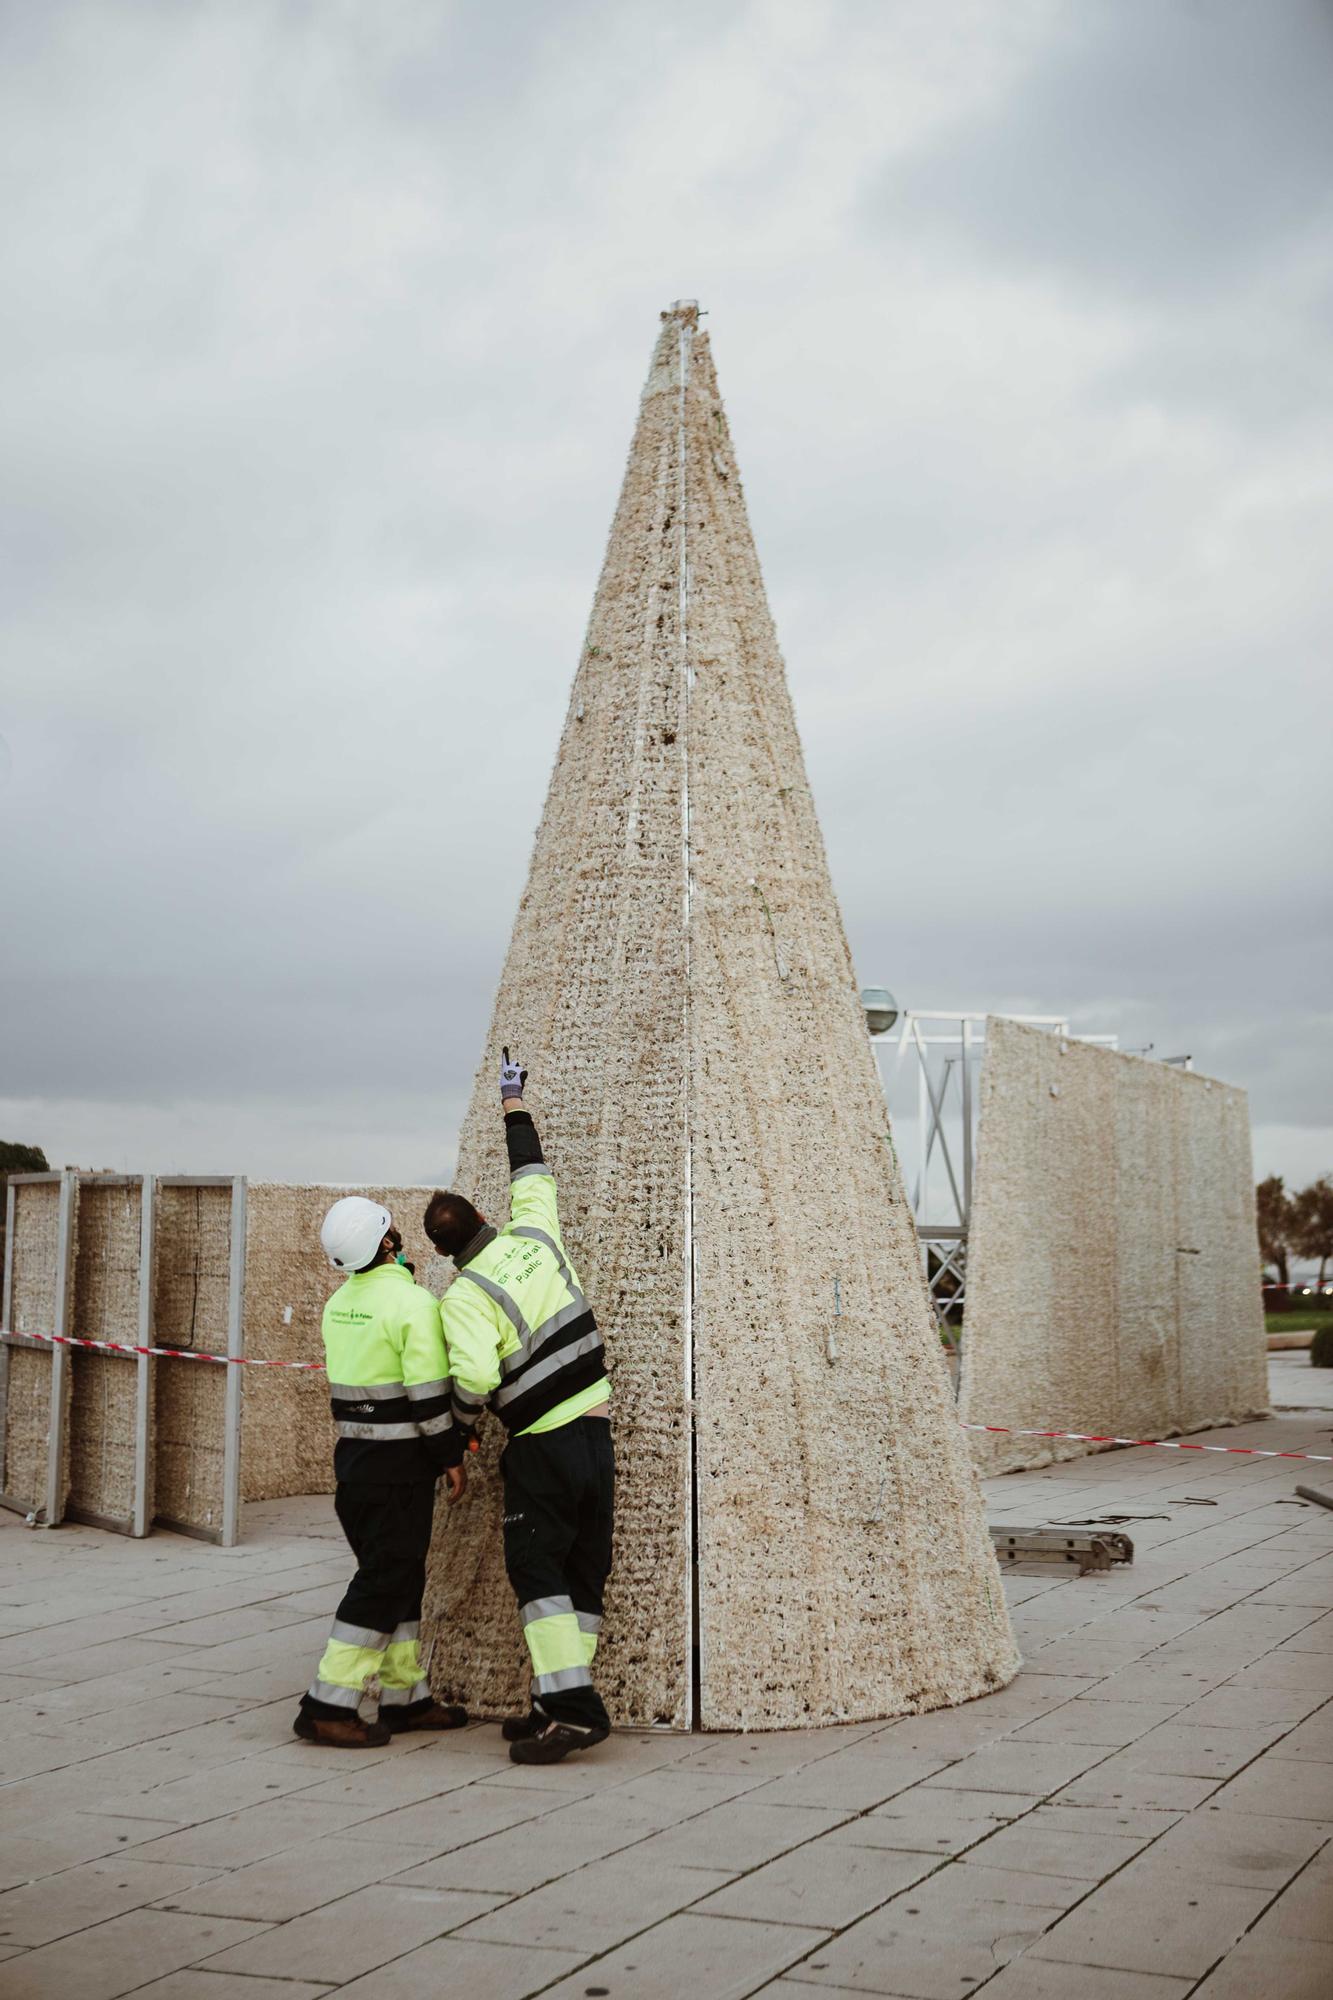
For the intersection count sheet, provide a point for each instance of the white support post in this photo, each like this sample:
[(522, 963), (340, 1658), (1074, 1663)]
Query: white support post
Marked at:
[(55, 1436), (143, 1386), (5, 1310), (966, 1216), (231, 1410)]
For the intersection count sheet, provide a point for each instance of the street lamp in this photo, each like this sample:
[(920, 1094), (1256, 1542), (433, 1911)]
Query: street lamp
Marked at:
[(880, 1008)]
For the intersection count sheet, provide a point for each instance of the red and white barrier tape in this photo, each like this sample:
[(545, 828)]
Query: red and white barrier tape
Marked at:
[(167, 1353), (1159, 1444), (997, 1430)]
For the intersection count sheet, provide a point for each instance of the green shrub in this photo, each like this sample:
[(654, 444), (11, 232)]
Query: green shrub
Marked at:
[(1321, 1348)]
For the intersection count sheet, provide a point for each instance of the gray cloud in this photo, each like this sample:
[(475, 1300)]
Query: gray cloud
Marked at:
[(328, 332), (1158, 150)]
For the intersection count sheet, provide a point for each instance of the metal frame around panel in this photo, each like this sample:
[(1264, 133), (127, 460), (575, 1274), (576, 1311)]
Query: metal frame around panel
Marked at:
[(6, 1301), (55, 1437), (67, 1182), (143, 1404), (136, 1522), (229, 1533), (232, 1388)]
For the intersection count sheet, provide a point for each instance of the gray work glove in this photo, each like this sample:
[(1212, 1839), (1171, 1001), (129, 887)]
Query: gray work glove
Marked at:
[(512, 1078)]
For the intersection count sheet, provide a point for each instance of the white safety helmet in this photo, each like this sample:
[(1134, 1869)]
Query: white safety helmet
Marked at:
[(352, 1232)]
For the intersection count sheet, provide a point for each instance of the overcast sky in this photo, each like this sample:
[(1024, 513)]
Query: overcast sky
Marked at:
[(323, 330)]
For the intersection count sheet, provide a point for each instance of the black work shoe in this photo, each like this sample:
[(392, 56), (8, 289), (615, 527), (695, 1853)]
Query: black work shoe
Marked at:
[(345, 1732), (516, 1728), (553, 1742), (440, 1715)]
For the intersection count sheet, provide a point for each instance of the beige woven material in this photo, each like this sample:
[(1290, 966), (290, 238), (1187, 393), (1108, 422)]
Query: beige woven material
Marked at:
[(679, 983), (191, 1273), (1113, 1267), (33, 1255), (106, 1307)]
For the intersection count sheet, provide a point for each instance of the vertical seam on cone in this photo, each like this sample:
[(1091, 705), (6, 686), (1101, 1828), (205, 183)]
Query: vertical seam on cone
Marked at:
[(692, 1647)]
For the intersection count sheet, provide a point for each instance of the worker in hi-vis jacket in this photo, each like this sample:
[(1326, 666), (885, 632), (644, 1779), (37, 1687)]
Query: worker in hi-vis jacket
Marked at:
[(389, 1390), (521, 1339)]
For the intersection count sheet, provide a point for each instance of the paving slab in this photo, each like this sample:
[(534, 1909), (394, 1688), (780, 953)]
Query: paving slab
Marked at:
[(1288, 1968), (720, 1957), (66, 1840), (1112, 1723), (1187, 1750), (935, 1822), (352, 1936), (242, 1837), (1033, 1845), (1284, 1787), (850, 1780), (1119, 1781), (740, 1835), (1311, 1738), (823, 1885), (288, 1885), (118, 1956), (597, 1907), (1024, 1768), (40, 1912), (452, 1818), (1251, 1850), (1145, 1921), (891, 1952), (451, 1966)]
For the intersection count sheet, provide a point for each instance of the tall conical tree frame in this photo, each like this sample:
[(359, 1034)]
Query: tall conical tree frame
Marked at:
[(800, 1537)]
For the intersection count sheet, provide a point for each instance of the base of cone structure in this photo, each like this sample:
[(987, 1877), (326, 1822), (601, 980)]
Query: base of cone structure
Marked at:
[(796, 1508)]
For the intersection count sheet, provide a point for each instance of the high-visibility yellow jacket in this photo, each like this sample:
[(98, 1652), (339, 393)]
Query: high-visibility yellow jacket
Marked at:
[(519, 1334), (388, 1378)]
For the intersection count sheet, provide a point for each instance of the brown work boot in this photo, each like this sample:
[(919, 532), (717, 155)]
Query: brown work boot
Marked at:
[(343, 1732), (440, 1715)]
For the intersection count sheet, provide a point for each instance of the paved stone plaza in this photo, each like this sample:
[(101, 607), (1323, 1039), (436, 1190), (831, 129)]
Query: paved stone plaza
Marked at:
[(1143, 1814)]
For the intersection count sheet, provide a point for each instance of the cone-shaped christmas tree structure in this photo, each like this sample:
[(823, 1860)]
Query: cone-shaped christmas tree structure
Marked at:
[(799, 1534)]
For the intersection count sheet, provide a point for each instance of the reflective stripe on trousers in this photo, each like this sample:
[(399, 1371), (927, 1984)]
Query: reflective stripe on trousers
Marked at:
[(354, 1656), (562, 1643)]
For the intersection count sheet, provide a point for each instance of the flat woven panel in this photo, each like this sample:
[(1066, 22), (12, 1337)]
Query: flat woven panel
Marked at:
[(1113, 1267), (106, 1307), (679, 983), (33, 1309), (191, 1284), (287, 1435)]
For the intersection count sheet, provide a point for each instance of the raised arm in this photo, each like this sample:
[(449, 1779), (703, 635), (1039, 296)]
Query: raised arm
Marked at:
[(532, 1200)]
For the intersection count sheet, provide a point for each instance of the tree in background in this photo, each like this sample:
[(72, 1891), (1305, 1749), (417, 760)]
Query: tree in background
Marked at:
[(1312, 1223), (15, 1159), (1275, 1229)]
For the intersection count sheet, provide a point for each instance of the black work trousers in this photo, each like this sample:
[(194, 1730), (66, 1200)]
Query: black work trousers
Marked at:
[(559, 1495), (389, 1528)]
